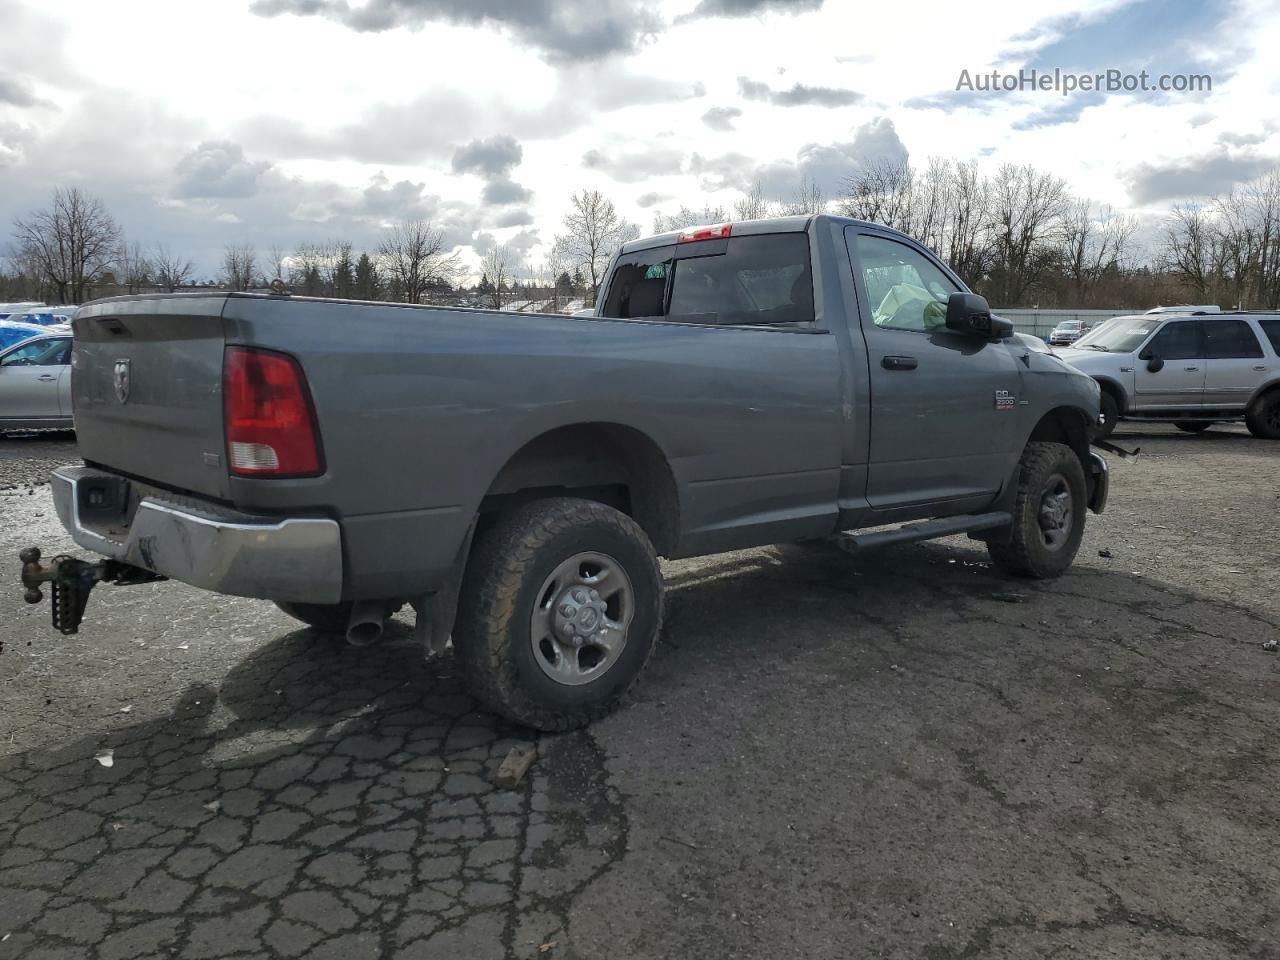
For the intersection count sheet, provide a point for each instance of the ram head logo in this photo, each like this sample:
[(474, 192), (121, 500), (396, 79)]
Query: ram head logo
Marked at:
[(120, 378)]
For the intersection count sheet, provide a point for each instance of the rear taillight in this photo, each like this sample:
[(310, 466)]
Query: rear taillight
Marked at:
[(271, 428)]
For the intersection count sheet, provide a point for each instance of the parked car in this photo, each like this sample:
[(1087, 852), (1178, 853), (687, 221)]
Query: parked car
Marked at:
[(42, 318), (515, 477), (1068, 331), (1190, 370), (35, 383), (12, 332)]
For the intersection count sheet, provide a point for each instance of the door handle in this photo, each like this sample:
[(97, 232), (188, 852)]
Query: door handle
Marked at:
[(45, 376), (1260, 368), (899, 363), (1191, 369)]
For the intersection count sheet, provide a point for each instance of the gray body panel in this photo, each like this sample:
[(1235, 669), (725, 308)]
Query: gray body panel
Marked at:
[(767, 432)]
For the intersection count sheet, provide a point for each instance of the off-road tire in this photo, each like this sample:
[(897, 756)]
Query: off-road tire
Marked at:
[(1193, 426), (1263, 416), (1110, 414), (1026, 554), (509, 564), (323, 617)]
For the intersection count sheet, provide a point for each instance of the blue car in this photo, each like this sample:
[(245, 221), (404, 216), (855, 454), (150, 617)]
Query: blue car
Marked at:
[(12, 332)]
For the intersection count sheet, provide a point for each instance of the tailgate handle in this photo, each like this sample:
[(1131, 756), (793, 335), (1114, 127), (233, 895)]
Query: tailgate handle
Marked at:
[(899, 363)]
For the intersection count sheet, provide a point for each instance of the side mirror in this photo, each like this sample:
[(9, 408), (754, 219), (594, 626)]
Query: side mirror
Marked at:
[(1155, 364), (969, 313)]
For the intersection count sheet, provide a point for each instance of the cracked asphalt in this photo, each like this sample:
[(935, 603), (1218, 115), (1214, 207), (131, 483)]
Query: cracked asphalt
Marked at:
[(897, 755)]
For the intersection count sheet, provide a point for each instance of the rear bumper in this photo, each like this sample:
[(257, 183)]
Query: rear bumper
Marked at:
[(200, 543), (1099, 482)]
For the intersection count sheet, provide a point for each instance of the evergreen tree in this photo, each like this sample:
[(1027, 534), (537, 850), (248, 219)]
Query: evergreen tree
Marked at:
[(344, 276), (367, 283)]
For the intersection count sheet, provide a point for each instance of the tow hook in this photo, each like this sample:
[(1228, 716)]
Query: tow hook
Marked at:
[(71, 581)]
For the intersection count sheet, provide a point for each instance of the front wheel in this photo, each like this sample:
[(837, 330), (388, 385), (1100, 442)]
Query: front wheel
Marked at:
[(1048, 513), (559, 611)]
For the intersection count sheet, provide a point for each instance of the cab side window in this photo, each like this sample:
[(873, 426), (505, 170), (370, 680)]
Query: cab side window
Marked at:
[(1179, 340), (904, 289), (1230, 339), (1271, 327)]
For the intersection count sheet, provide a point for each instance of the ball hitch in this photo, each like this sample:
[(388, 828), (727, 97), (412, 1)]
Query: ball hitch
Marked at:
[(70, 582)]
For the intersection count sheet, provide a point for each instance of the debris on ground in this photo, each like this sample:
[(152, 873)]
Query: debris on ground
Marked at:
[(213, 806), (1105, 553), (127, 708), (1271, 646), (106, 757), (1010, 597), (516, 764), (548, 946)]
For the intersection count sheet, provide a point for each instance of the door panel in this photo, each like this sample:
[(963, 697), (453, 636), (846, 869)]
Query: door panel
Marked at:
[(29, 378), (937, 431), (1235, 364), (1180, 382)]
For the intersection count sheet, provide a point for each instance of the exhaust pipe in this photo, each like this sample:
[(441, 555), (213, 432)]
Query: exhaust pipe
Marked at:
[(367, 620)]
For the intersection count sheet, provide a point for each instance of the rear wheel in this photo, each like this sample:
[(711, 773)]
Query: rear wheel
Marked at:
[(1193, 426), (1110, 416), (559, 611), (1263, 418), (1048, 513)]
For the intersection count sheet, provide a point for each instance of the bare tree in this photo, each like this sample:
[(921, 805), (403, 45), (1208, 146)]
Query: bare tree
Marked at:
[(594, 232), (687, 217), (1092, 244), (239, 266), (71, 245), (1027, 208), (881, 192), (134, 267), (275, 265), (496, 271), (753, 205), (807, 200), (170, 270), (414, 258)]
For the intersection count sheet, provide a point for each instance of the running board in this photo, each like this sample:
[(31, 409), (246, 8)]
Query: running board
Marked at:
[(929, 530)]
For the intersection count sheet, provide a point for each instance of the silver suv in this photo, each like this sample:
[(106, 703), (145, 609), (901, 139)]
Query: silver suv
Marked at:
[(1192, 371), (1068, 331)]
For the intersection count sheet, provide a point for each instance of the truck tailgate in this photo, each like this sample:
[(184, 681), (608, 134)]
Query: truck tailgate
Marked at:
[(146, 383)]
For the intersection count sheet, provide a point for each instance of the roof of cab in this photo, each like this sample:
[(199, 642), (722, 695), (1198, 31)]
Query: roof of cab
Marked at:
[(746, 228)]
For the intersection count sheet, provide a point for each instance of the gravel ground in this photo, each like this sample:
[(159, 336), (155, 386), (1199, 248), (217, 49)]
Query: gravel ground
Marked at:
[(902, 755)]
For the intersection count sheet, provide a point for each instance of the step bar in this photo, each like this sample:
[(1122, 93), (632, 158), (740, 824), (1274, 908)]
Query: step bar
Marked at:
[(928, 530)]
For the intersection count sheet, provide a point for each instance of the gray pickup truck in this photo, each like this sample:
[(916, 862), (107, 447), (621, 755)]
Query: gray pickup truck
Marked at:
[(515, 477)]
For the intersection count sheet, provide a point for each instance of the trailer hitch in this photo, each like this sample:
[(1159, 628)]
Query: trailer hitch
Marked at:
[(71, 580)]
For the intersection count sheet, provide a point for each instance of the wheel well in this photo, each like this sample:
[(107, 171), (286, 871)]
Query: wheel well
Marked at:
[(605, 462), (1069, 425), (1116, 391)]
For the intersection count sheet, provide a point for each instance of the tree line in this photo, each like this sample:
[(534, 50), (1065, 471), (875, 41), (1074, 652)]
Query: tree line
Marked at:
[(1017, 235)]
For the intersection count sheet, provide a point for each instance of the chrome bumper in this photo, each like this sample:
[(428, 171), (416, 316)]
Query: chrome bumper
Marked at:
[(298, 558), (1100, 482)]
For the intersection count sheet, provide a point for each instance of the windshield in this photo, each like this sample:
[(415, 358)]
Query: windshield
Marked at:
[(1069, 325), (1122, 336)]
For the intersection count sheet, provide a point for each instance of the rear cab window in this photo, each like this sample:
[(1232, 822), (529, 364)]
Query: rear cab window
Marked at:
[(755, 280)]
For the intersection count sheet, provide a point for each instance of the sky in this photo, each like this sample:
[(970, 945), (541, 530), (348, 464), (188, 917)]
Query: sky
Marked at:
[(278, 122)]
